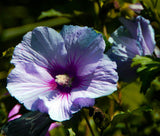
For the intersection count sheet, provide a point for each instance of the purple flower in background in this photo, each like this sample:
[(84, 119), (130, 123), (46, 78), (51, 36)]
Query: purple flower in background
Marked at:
[(137, 7), (59, 73), (53, 126), (136, 37), (157, 52), (14, 113)]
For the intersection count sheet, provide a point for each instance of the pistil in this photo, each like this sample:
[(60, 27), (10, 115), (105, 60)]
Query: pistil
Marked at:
[(63, 80)]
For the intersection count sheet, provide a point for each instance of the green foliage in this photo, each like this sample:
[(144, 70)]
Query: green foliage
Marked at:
[(128, 116), (11, 33), (52, 13), (148, 68), (124, 120), (154, 4), (152, 12), (60, 131), (131, 96), (155, 85), (3, 113), (127, 112), (108, 44), (8, 52)]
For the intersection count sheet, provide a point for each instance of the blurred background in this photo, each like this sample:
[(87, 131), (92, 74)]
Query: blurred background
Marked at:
[(17, 17)]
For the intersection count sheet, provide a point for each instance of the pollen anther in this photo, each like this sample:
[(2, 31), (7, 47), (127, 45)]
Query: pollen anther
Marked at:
[(63, 80)]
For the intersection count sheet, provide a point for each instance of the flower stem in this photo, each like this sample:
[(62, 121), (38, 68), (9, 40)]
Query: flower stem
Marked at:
[(99, 5), (105, 31), (101, 134), (111, 108), (87, 121), (155, 4)]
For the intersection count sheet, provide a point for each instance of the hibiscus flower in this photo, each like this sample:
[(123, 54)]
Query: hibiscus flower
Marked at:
[(59, 73), (136, 37)]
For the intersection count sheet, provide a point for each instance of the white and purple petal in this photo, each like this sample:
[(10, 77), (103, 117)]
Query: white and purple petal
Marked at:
[(28, 81), (58, 107), (79, 103), (43, 46), (137, 7), (101, 83), (84, 48)]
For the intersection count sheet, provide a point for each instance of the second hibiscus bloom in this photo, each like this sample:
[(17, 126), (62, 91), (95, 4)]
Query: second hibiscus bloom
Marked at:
[(136, 37)]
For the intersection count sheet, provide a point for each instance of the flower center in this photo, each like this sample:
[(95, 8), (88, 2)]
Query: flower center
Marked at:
[(63, 80)]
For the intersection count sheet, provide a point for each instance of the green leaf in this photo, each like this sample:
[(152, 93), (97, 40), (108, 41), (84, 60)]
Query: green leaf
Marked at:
[(154, 4), (3, 74), (108, 44), (148, 69), (2, 116), (131, 96), (59, 131), (73, 122), (142, 109), (71, 132), (52, 13), (11, 33), (121, 117), (129, 116), (8, 52), (3, 113), (156, 84)]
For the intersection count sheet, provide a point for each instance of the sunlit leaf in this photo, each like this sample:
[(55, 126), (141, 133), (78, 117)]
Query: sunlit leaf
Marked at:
[(8, 52), (122, 117), (52, 13), (59, 131), (148, 69), (11, 33), (152, 3), (131, 96), (3, 113), (128, 116), (71, 132), (142, 109), (3, 74), (156, 84), (108, 44)]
